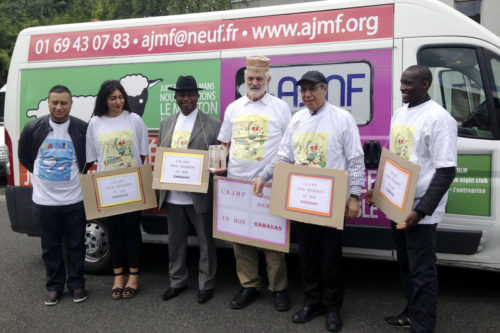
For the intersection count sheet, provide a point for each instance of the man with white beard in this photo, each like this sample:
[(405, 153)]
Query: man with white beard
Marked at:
[(252, 130)]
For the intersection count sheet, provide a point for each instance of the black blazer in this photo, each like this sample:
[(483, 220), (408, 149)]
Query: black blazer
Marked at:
[(202, 201)]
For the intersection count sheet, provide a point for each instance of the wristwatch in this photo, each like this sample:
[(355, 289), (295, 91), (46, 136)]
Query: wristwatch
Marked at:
[(355, 196)]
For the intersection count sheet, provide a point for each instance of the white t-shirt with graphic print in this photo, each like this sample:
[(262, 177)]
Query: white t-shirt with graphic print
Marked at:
[(180, 139), (56, 178), (426, 135), (325, 140), (117, 142), (254, 130)]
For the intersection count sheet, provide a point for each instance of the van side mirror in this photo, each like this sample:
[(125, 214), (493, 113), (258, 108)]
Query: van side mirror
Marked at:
[(372, 151)]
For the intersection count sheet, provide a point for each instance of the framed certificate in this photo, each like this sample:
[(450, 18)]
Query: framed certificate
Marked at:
[(115, 190), (181, 170), (118, 191), (310, 195), (241, 217), (394, 190)]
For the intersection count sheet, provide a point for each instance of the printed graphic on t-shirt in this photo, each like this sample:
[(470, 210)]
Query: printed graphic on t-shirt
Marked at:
[(311, 148), (402, 140), (250, 135), (55, 160), (180, 139), (117, 149)]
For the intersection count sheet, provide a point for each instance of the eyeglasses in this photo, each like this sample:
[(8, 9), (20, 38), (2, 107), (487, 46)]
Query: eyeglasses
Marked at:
[(312, 89)]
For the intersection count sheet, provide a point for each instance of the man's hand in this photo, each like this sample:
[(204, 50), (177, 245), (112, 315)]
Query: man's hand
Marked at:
[(368, 197), (257, 187), (226, 145), (218, 171), (352, 208), (410, 221)]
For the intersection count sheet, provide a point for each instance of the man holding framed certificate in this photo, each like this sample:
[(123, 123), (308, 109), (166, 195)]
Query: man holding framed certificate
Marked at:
[(189, 129), (321, 136), (423, 133), (252, 129)]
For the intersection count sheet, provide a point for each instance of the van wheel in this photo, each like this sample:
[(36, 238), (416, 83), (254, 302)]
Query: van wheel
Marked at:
[(97, 252)]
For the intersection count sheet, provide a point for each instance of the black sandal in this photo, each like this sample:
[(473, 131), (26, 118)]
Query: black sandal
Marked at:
[(130, 292), (117, 293)]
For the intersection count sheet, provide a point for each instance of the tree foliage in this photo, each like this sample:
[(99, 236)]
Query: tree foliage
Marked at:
[(16, 15)]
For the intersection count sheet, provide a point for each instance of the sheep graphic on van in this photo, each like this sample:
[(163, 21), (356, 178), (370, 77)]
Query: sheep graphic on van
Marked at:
[(136, 86)]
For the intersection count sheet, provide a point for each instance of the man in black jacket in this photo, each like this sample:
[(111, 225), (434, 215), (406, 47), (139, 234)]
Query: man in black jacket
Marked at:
[(52, 148), (189, 129)]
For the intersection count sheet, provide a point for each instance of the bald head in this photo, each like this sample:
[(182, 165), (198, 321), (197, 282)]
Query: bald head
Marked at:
[(415, 81), (421, 72)]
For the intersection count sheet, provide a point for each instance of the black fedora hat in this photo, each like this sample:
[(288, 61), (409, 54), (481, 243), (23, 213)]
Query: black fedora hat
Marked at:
[(185, 83)]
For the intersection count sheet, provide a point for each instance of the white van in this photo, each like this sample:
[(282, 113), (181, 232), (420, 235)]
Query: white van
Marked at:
[(362, 47)]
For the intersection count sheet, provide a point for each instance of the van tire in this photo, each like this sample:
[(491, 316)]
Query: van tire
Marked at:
[(97, 251)]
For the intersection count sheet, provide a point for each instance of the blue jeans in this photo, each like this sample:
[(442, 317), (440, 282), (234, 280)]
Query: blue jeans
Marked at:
[(58, 224)]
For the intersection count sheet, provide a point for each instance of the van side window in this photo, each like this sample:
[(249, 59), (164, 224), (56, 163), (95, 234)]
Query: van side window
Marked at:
[(458, 86), (495, 69)]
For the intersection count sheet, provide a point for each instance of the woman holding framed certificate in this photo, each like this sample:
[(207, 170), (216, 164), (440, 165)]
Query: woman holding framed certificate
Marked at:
[(118, 138)]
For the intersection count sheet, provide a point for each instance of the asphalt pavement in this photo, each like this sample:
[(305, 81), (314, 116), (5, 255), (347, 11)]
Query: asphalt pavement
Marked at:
[(469, 300)]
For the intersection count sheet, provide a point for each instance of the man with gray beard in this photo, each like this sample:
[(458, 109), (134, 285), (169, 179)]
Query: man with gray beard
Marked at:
[(252, 130)]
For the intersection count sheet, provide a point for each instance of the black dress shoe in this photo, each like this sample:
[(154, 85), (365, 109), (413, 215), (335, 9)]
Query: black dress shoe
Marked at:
[(333, 322), (172, 292), (53, 297), (307, 313), (205, 295), (281, 300), (244, 297), (400, 320)]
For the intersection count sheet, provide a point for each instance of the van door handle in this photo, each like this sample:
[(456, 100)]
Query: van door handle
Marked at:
[(372, 150)]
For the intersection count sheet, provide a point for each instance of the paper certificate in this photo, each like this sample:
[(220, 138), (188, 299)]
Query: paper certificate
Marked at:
[(394, 184), (244, 218), (118, 189), (394, 190), (182, 168), (310, 194)]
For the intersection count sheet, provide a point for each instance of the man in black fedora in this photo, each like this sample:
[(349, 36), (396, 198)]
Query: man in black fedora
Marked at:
[(189, 129)]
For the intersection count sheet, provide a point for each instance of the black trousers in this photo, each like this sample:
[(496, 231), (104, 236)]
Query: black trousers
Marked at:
[(60, 224), (320, 253), (416, 249), (125, 239)]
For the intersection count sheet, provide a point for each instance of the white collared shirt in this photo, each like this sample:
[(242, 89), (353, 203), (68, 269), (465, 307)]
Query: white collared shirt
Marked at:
[(254, 130)]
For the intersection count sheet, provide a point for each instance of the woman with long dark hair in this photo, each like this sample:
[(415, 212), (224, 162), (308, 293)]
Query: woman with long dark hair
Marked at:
[(118, 138)]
